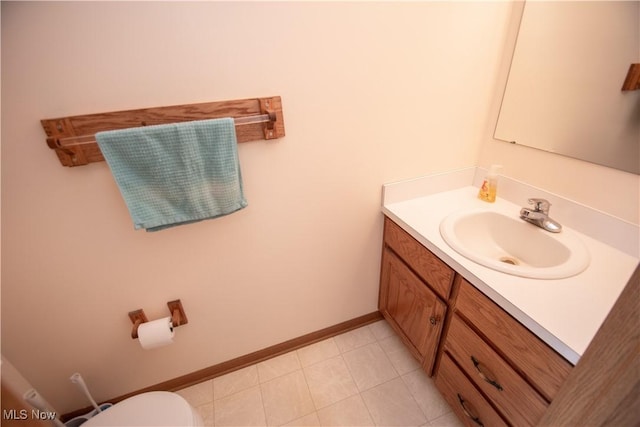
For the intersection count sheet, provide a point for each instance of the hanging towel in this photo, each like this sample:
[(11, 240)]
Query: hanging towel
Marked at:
[(177, 173)]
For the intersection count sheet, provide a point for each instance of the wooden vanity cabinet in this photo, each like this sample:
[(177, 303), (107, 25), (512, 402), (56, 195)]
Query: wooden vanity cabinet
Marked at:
[(411, 280), (491, 369), (516, 372)]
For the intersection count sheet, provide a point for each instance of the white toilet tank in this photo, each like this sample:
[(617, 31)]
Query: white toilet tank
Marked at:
[(156, 408)]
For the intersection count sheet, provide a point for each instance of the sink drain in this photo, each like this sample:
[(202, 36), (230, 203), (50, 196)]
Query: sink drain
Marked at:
[(509, 260)]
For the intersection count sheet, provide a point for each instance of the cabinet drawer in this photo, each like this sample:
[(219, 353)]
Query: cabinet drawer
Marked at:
[(520, 404), (465, 400), (540, 365), (428, 266)]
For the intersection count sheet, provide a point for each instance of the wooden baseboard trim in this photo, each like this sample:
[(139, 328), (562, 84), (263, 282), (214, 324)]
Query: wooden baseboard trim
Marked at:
[(244, 361)]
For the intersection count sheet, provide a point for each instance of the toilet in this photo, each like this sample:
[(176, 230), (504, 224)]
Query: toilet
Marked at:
[(155, 408)]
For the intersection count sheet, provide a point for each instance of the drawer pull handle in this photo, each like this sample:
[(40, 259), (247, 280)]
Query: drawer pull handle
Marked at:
[(463, 405), (485, 377)]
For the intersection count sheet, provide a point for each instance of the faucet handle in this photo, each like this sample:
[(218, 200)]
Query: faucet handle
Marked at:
[(540, 205)]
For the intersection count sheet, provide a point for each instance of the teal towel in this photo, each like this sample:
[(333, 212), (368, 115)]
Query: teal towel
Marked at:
[(177, 173)]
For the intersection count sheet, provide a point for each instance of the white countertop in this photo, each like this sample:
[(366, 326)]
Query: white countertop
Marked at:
[(565, 313)]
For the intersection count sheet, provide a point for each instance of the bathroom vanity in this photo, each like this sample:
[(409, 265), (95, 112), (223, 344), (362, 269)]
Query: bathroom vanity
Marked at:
[(422, 305), (499, 346)]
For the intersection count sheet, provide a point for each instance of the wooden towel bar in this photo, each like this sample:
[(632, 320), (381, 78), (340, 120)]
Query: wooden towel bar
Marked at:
[(73, 138)]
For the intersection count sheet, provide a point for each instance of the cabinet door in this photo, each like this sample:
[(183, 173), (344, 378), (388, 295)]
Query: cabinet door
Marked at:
[(412, 307)]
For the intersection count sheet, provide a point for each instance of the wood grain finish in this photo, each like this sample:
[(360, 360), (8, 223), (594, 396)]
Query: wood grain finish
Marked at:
[(604, 387), (437, 274), (632, 81), (412, 309), (466, 401), (538, 363), (88, 125), (520, 404)]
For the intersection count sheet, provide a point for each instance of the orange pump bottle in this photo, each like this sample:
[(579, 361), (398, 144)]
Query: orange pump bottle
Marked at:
[(489, 187)]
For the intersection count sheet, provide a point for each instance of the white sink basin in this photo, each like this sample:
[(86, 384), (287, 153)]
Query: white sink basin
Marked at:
[(513, 246)]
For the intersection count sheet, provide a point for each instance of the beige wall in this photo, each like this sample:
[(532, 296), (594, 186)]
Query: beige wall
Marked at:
[(372, 93), (605, 189)]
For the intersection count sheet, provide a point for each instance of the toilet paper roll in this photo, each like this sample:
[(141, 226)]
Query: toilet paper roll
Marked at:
[(156, 333)]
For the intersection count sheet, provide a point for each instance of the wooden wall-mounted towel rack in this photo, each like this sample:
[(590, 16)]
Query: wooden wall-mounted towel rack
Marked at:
[(632, 81), (73, 138)]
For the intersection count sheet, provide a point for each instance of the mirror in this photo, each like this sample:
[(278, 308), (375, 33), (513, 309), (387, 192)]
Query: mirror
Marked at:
[(563, 93)]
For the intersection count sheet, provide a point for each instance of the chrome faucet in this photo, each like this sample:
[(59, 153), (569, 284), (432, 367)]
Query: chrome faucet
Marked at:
[(539, 215)]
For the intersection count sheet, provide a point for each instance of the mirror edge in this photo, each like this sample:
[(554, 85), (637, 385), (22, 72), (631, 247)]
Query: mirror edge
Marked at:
[(511, 40)]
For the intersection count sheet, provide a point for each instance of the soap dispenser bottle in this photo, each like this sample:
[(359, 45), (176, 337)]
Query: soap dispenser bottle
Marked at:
[(490, 185)]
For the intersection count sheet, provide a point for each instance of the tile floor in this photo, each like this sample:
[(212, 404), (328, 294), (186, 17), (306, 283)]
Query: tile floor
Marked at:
[(364, 377)]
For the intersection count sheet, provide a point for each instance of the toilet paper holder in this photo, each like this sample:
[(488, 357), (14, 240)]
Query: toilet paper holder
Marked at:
[(178, 317)]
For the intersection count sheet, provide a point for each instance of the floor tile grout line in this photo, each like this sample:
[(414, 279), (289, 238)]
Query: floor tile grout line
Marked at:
[(376, 340), (320, 361), (418, 403), (294, 352), (413, 396), (359, 391), (328, 339), (238, 391), (264, 409), (315, 410), (388, 381), (385, 353), (399, 375), (350, 376)]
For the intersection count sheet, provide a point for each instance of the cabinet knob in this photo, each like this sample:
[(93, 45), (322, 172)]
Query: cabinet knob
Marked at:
[(433, 320)]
